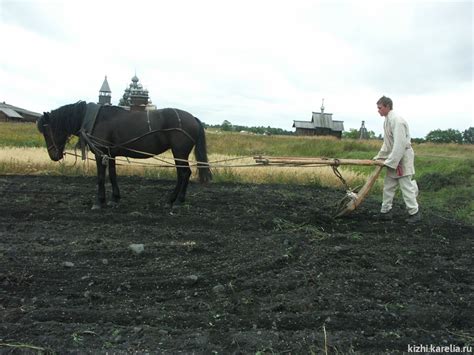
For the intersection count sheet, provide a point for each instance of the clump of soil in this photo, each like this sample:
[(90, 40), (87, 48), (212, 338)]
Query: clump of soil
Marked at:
[(238, 269)]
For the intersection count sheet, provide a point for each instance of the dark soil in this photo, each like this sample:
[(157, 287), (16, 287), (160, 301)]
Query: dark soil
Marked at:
[(238, 269)]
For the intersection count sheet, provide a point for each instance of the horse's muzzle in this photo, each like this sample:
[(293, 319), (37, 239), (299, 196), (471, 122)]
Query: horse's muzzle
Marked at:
[(55, 154)]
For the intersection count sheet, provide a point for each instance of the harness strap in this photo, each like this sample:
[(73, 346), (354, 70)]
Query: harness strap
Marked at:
[(148, 120), (53, 142), (87, 126), (179, 118)]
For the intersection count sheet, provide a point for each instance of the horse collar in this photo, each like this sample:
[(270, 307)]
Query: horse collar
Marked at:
[(90, 116), (87, 126)]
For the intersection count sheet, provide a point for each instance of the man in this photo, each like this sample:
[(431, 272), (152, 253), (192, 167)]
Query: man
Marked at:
[(398, 157)]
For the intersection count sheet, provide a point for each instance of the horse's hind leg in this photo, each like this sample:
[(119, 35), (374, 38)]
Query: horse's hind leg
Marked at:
[(113, 180), (174, 193), (100, 202), (185, 175)]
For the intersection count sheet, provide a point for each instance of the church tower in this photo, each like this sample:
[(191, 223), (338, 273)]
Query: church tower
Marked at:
[(105, 93), (363, 134), (135, 96)]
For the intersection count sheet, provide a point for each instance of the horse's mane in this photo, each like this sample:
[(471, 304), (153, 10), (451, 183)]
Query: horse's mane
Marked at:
[(66, 118)]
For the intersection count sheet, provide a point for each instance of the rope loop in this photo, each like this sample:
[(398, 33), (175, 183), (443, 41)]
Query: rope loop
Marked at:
[(339, 175)]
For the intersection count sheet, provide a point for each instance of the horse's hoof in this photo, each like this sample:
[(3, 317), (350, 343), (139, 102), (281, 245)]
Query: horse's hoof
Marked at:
[(113, 204), (177, 205)]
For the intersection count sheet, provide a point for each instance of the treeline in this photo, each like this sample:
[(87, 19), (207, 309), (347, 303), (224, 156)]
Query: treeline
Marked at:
[(436, 136), (226, 126), (448, 136)]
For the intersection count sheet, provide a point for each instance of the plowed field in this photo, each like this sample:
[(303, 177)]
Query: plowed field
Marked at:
[(237, 269)]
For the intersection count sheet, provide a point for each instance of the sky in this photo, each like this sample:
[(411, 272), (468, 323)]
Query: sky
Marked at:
[(253, 63)]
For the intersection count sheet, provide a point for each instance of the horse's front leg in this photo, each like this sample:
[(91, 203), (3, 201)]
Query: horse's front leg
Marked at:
[(185, 175), (179, 193), (113, 180), (100, 202), (180, 181)]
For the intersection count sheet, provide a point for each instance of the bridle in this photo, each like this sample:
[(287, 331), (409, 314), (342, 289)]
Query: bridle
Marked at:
[(53, 145)]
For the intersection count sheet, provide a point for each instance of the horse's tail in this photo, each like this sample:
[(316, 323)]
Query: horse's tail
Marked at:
[(200, 152)]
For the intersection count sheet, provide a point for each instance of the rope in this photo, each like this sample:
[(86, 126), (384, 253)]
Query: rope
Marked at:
[(95, 142), (339, 175), (170, 164)]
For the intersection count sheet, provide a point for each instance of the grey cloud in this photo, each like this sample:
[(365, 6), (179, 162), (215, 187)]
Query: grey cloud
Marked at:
[(35, 18), (435, 55)]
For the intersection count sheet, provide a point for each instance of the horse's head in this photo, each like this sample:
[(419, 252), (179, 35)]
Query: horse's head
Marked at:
[(58, 125), (55, 137)]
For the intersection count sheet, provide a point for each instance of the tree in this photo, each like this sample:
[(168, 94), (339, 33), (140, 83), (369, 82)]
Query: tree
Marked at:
[(418, 140), (444, 136), (468, 136), (355, 134), (226, 126), (351, 134)]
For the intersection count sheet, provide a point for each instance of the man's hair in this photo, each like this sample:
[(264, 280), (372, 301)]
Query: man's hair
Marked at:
[(386, 101)]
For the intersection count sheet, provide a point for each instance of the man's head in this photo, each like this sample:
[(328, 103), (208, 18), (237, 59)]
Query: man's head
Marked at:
[(384, 105)]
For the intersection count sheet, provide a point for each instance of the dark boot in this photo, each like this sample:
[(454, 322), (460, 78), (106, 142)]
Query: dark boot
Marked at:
[(387, 216), (414, 218)]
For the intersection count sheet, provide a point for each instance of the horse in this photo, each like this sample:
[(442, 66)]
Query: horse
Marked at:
[(112, 131)]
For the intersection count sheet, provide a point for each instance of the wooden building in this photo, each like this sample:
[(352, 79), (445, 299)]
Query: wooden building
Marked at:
[(105, 94), (135, 97), (321, 124), (10, 113)]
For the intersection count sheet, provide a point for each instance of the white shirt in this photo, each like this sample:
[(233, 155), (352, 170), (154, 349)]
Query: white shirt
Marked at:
[(396, 148)]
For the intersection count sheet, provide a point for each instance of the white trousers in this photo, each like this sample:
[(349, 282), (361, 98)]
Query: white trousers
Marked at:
[(409, 189)]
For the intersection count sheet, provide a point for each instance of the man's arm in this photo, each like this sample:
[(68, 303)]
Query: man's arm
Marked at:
[(399, 145)]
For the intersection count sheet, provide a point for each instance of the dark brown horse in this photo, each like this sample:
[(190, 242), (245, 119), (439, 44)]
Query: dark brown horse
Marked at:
[(111, 131)]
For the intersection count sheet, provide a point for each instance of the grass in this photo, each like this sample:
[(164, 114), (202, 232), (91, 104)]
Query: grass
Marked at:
[(20, 135), (249, 145), (445, 172), (24, 346)]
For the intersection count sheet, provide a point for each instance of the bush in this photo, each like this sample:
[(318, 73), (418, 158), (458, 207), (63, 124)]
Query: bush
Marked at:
[(444, 136)]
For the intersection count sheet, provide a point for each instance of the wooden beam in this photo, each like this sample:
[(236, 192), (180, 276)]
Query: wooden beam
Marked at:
[(315, 161)]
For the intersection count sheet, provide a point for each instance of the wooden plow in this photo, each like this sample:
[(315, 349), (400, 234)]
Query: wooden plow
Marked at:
[(353, 198)]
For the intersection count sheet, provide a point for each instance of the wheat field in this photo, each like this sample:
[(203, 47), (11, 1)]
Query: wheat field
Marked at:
[(24, 160)]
